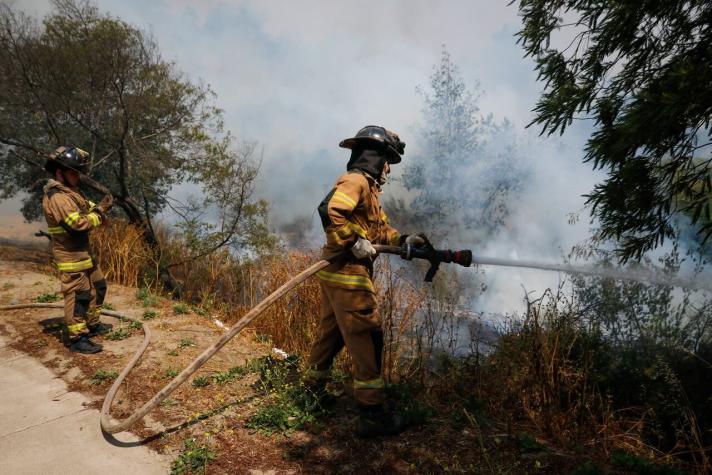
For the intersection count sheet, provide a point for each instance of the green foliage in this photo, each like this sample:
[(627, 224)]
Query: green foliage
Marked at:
[(185, 343), (411, 408), (223, 377), (181, 308), (528, 443), (147, 298), (149, 315), (193, 460), (290, 406), (171, 373), (587, 468), (118, 334), (640, 71), (201, 381), (45, 298), (107, 306), (641, 466), (101, 375), (135, 325)]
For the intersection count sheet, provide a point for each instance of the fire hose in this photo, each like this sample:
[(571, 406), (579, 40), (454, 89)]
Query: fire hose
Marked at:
[(461, 257), (426, 252)]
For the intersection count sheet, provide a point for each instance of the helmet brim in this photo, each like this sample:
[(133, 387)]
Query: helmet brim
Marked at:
[(52, 165), (392, 156)]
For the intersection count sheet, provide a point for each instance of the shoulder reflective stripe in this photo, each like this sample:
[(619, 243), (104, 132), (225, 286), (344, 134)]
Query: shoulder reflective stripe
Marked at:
[(77, 328), (56, 230), (95, 219), (70, 266), (376, 383), (358, 229), (345, 279), (344, 198), (384, 218), (72, 218)]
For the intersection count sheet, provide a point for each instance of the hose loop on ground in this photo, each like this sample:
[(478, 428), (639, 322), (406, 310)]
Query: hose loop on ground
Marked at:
[(107, 425)]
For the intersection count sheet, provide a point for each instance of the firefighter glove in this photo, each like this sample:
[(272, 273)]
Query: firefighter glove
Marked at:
[(105, 204), (416, 240), (363, 249)]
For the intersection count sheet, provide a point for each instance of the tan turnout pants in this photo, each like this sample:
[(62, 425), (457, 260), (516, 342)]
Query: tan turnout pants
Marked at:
[(350, 317), (84, 292)]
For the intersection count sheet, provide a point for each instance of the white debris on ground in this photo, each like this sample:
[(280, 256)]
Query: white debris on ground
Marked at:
[(220, 324), (280, 354)]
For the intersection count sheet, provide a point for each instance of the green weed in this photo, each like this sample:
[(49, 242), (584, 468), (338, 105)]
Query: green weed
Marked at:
[(171, 373), (193, 459), (107, 306), (146, 297), (118, 334), (200, 311), (135, 325), (100, 376), (201, 381), (149, 314), (45, 298), (181, 308), (185, 343), (173, 352), (290, 406), (639, 465)]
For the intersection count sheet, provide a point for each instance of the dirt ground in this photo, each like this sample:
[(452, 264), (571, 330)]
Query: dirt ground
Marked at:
[(216, 415)]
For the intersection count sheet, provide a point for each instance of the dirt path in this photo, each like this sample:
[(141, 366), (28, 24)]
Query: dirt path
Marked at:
[(45, 428)]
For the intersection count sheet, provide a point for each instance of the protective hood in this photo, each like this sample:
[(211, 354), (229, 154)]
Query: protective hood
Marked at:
[(367, 161)]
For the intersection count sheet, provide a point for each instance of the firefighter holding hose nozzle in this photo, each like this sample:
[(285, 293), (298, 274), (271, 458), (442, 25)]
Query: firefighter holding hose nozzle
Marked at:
[(70, 218), (353, 219)]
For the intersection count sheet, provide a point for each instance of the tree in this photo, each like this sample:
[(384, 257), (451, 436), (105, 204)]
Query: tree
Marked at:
[(85, 78), (466, 167), (641, 71)]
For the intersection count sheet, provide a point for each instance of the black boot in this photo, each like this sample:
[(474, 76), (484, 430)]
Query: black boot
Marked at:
[(100, 329), (318, 393), (374, 421), (85, 345)]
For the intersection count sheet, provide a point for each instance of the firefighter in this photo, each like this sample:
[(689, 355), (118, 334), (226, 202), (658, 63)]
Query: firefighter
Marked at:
[(70, 218), (353, 219)]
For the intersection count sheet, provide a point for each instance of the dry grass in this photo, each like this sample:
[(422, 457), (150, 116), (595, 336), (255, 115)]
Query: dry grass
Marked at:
[(122, 252), (537, 379)]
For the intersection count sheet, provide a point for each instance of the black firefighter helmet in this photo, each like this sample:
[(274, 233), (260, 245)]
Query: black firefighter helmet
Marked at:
[(379, 136), (71, 158)]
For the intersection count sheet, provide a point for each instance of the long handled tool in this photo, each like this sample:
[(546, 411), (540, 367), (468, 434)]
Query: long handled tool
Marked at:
[(427, 252)]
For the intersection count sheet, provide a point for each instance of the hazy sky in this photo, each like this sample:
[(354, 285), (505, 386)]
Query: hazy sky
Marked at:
[(299, 76)]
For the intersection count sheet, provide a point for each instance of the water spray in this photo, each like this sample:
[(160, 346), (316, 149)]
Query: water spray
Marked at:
[(466, 259)]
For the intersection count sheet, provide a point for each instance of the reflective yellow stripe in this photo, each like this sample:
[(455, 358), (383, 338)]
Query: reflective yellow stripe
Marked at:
[(70, 266), (91, 204), (72, 218), (357, 229), (395, 239), (77, 328), (348, 280), (384, 218), (376, 383), (56, 230), (344, 198), (344, 231), (95, 219)]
